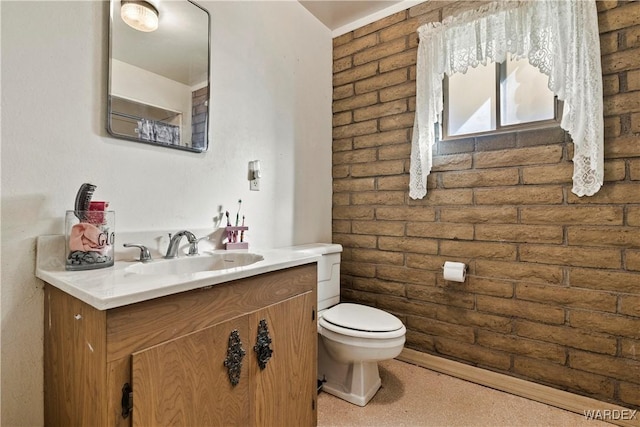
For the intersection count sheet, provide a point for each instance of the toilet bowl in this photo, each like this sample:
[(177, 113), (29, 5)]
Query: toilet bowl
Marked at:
[(352, 338)]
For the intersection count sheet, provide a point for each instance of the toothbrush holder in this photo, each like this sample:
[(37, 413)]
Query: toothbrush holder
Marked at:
[(235, 238)]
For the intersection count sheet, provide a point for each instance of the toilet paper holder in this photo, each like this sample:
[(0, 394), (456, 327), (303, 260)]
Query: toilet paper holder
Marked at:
[(465, 266), (454, 271)]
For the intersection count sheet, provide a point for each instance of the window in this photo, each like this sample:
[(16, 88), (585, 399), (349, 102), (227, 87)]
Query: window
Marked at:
[(496, 98), (562, 40)]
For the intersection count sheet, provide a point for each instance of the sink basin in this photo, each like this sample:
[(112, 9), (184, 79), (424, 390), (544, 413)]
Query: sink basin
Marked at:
[(195, 264)]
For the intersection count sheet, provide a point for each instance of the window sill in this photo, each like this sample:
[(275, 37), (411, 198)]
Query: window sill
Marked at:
[(546, 124)]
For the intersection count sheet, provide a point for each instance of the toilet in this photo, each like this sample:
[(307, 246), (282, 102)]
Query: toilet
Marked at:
[(352, 338)]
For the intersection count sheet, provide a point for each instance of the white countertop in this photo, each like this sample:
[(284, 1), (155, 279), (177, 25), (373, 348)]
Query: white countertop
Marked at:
[(114, 286)]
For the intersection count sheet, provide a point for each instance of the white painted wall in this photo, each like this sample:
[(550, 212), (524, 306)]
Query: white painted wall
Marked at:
[(271, 100), (157, 90)]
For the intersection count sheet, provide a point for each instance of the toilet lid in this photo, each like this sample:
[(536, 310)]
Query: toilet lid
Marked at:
[(362, 318)]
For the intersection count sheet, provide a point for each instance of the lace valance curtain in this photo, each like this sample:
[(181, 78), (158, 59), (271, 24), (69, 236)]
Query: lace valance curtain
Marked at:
[(558, 37)]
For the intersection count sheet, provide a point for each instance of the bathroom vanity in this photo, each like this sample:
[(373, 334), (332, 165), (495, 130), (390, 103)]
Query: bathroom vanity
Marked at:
[(236, 352)]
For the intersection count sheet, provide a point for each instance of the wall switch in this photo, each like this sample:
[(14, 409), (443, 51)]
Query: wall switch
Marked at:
[(254, 185)]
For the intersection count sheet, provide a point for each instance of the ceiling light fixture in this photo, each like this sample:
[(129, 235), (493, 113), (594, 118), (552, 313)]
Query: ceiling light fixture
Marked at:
[(140, 15)]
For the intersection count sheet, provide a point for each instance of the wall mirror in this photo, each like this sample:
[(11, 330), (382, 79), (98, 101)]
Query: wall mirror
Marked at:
[(159, 79)]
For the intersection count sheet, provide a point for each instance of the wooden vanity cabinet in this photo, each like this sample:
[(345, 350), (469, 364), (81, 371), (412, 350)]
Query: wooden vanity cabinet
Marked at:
[(172, 352)]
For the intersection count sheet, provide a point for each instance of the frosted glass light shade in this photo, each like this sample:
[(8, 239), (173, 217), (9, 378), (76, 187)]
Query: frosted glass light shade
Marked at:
[(139, 15)]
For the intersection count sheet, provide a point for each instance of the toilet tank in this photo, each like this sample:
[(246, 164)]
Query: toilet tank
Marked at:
[(328, 272)]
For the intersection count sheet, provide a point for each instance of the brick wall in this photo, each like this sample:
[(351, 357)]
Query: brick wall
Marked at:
[(199, 114), (553, 291)]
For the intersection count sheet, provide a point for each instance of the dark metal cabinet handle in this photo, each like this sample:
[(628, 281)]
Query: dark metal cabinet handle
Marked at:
[(235, 354), (127, 400), (263, 344)]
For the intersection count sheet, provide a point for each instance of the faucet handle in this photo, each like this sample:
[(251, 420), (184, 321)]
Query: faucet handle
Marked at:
[(144, 252)]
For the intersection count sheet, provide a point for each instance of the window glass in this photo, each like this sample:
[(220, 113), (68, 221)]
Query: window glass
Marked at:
[(497, 97), (472, 101), (525, 95)]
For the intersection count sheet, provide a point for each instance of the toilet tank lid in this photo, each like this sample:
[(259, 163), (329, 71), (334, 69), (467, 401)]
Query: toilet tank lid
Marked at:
[(319, 248), (362, 318)]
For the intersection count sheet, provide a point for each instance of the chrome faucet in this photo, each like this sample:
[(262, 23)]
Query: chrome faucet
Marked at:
[(174, 243)]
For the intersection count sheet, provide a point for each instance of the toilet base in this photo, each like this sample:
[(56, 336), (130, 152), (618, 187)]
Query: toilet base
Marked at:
[(356, 382)]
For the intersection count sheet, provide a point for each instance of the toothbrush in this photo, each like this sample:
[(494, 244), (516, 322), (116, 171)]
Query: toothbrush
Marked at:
[(229, 232), (238, 214), (242, 231)]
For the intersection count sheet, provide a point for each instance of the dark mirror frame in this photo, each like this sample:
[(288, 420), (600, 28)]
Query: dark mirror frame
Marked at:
[(160, 119)]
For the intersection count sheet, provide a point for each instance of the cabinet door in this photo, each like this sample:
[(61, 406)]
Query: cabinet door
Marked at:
[(285, 390), (184, 382)]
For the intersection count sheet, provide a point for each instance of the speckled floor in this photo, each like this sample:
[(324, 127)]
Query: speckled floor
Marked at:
[(414, 396)]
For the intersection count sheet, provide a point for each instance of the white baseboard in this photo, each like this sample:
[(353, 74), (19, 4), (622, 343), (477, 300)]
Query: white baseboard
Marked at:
[(519, 387)]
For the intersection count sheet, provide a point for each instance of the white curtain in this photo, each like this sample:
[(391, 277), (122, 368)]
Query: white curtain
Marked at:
[(558, 37)]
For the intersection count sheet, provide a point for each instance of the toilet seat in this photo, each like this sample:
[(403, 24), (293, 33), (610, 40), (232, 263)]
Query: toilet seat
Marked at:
[(361, 321)]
